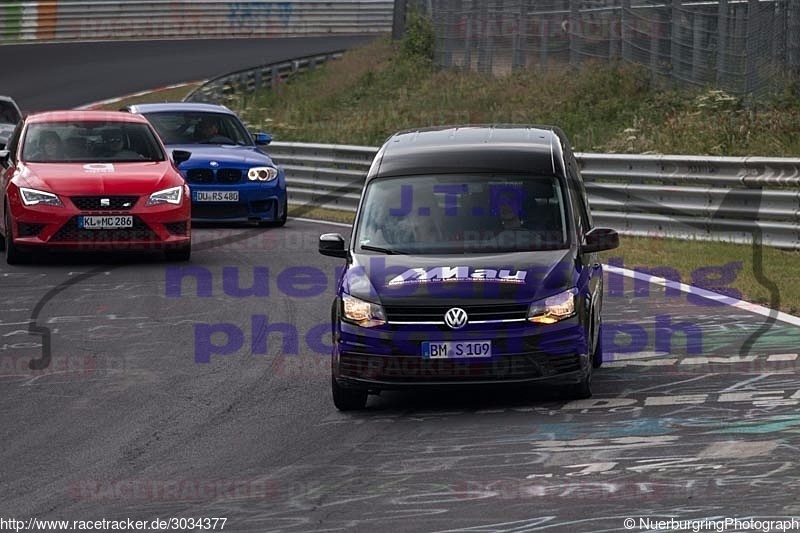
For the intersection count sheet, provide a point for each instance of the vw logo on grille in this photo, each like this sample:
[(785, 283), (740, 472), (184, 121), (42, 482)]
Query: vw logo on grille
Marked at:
[(456, 318)]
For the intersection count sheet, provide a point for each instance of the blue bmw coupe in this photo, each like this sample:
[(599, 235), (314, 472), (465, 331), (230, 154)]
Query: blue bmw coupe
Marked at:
[(231, 178)]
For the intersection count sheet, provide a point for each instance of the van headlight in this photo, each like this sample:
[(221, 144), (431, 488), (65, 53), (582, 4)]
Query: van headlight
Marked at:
[(553, 309), (262, 174), (365, 314)]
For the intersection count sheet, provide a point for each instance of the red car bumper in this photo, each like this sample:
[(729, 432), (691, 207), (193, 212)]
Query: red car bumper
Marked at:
[(160, 227)]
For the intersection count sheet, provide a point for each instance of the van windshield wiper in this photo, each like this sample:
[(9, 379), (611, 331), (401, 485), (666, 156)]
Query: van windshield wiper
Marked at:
[(387, 251)]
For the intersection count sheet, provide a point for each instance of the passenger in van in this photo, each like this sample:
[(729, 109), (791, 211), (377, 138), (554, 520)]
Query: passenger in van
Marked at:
[(426, 216), (385, 227), (380, 226)]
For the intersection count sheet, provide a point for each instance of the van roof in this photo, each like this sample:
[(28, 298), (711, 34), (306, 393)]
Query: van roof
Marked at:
[(474, 148)]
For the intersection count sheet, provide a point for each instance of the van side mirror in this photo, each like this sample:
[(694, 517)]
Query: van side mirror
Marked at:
[(179, 156), (600, 239), (332, 244)]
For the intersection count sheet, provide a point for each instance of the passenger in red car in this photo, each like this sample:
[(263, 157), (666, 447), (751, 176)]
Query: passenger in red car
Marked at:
[(50, 147)]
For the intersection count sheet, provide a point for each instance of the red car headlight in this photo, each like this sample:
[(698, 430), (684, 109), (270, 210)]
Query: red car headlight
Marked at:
[(37, 197), (173, 195)]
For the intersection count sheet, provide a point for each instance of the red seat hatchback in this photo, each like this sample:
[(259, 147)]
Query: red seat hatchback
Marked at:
[(90, 181)]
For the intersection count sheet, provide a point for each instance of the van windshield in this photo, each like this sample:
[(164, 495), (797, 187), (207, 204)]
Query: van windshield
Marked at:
[(452, 214)]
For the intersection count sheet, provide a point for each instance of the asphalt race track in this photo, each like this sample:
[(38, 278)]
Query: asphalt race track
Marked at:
[(168, 399), (63, 75)]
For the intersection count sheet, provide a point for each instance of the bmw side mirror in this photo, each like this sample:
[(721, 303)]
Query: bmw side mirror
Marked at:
[(600, 239), (179, 156), (262, 139), (332, 244)]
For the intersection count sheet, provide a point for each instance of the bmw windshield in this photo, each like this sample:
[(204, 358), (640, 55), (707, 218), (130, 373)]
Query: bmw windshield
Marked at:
[(454, 214), (193, 127)]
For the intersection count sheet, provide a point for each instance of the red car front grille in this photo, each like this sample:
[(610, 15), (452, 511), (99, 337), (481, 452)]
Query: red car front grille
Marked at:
[(104, 203)]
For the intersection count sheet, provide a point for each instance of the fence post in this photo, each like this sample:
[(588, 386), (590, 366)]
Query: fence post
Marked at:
[(399, 19), (274, 78), (675, 48), (520, 39), (793, 35), (751, 59), (624, 33), (656, 33), (544, 28), (257, 80), (468, 39), (574, 38), (698, 53), (485, 39), (722, 41), (445, 33)]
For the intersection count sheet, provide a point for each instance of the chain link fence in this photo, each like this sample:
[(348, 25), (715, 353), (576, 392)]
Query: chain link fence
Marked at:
[(745, 47)]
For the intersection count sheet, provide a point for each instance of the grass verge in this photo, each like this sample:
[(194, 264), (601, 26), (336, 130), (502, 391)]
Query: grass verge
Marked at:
[(173, 94), (720, 267)]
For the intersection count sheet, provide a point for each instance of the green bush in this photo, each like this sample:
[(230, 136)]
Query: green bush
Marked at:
[(418, 40)]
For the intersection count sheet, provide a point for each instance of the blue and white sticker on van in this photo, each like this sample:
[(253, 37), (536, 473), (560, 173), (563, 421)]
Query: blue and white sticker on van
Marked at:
[(458, 273)]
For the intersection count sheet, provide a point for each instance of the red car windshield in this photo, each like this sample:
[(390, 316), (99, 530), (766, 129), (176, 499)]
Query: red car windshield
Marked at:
[(90, 142)]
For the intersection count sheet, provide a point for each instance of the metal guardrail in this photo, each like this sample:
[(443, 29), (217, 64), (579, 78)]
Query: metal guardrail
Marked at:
[(687, 197), (228, 86), (89, 20)]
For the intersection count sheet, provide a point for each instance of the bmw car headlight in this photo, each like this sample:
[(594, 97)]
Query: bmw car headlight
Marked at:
[(262, 174), (173, 195), (365, 314), (553, 309), (36, 197)]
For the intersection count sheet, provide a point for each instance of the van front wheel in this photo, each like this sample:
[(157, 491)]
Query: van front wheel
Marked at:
[(582, 390), (347, 399)]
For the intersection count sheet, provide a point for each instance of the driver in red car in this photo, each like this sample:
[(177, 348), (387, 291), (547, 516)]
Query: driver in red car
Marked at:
[(50, 147)]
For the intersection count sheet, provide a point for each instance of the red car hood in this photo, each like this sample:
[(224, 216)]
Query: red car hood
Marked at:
[(99, 178)]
